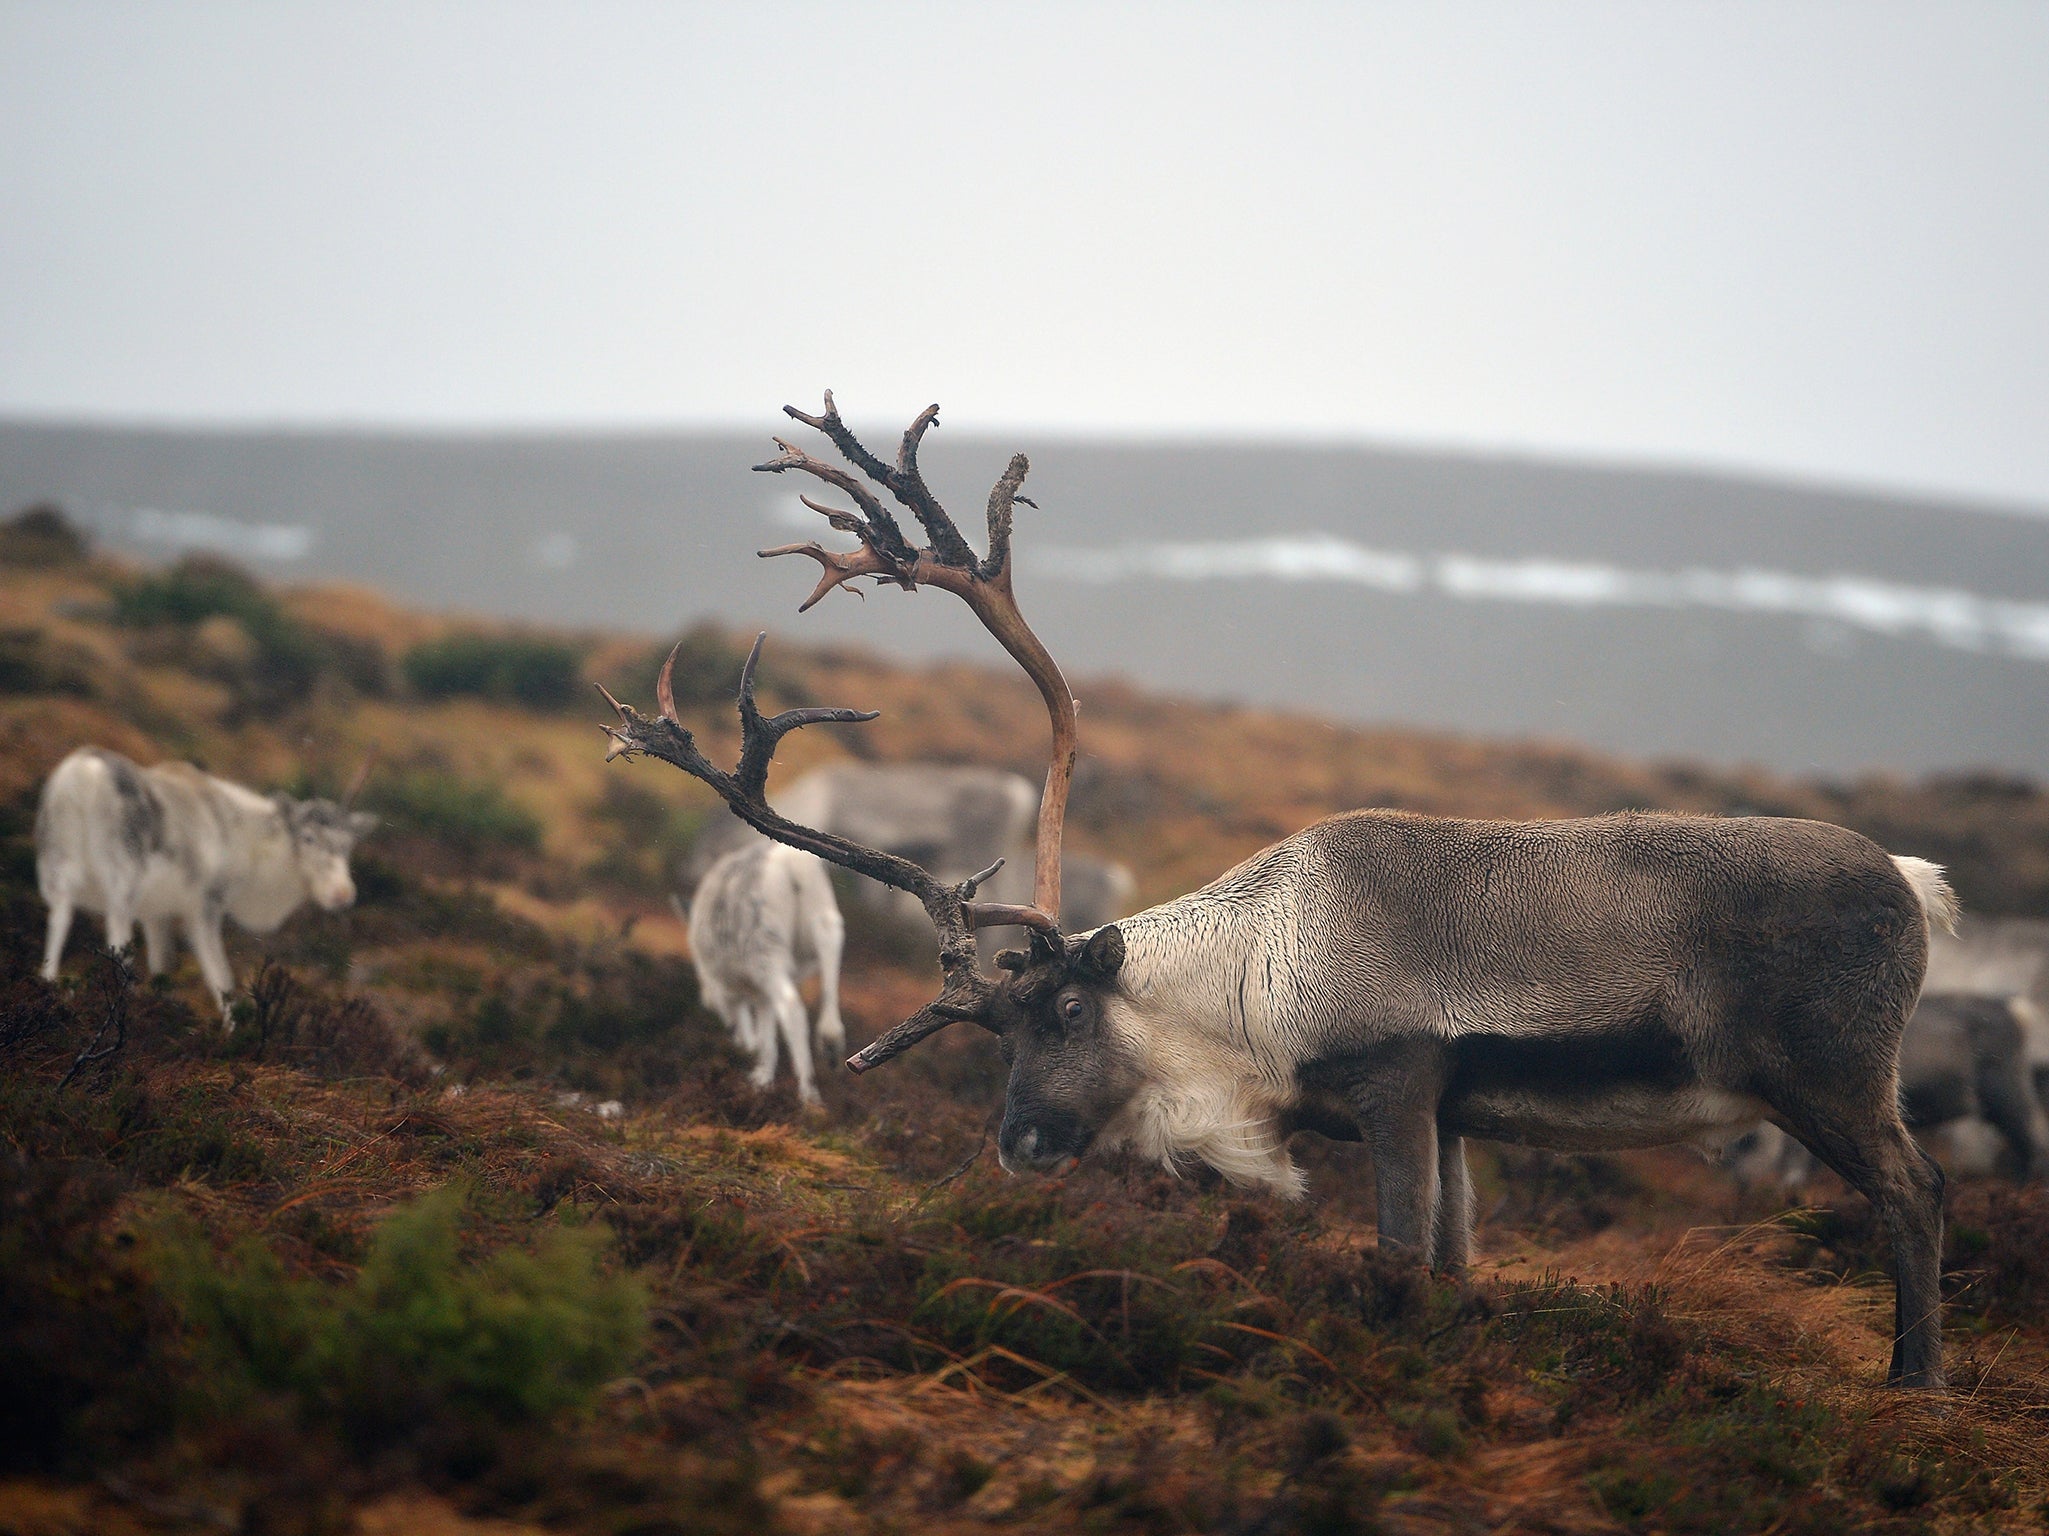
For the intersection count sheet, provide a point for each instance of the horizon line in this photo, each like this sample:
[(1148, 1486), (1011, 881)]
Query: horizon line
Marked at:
[(1314, 439)]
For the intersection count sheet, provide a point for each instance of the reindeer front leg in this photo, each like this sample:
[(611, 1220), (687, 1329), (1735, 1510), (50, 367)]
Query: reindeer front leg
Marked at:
[(1393, 1092), (203, 933)]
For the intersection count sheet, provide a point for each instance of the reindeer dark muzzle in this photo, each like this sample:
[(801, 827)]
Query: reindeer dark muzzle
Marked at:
[(1040, 1141)]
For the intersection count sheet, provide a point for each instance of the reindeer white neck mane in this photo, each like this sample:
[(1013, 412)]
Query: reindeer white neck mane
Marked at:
[(1211, 1005)]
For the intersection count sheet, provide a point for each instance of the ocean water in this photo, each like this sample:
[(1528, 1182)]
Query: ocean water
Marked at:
[(1658, 614)]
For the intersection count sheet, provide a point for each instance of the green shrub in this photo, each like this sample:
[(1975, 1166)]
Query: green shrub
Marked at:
[(287, 657), (517, 1337), (469, 815), (512, 669)]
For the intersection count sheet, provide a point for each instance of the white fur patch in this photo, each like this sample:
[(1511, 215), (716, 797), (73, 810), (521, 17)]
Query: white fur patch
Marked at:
[(1939, 903), (1221, 1128)]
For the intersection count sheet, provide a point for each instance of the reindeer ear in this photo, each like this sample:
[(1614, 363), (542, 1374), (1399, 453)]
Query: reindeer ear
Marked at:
[(362, 823), (1046, 948), (1012, 960), (1103, 956)]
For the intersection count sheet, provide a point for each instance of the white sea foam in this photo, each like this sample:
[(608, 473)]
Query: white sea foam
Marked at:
[(1965, 620), (217, 535)]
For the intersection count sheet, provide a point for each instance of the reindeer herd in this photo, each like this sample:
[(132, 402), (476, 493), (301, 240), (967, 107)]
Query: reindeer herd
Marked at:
[(1405, 981)]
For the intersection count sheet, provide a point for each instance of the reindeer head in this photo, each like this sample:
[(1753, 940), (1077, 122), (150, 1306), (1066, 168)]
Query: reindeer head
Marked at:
[(1069, 1071), (1056, 1103), (324, 833)]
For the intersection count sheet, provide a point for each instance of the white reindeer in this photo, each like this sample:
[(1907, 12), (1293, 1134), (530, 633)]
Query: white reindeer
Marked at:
[(171, 847), (762, 920)]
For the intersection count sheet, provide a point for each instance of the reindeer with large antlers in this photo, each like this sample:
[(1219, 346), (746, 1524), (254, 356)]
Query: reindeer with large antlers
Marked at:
[(1623, 981)]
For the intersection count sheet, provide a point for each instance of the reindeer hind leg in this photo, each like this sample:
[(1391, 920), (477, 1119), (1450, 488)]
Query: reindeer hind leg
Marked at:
[(160, 941), (828, 937), (1874, 1154), (786, 1010)]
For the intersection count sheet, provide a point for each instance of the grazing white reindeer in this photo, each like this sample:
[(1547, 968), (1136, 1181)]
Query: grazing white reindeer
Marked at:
[(171, 847), (1407, 980), (762, 919)]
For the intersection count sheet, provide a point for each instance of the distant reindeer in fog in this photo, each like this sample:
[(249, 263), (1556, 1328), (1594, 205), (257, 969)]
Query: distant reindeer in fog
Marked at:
[(2005, 958)]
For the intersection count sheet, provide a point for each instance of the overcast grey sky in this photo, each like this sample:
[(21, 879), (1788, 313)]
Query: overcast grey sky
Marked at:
[(1790, 237)]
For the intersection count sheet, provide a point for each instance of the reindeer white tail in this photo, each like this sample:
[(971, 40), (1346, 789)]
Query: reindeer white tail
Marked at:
[(1938, 902)]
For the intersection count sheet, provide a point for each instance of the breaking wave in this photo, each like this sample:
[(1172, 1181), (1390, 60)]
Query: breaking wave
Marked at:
[(184, 531), (1964, 620)]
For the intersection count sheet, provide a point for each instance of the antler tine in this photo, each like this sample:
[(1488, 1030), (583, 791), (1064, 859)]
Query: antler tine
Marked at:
[(849, 445), (996, 914), (759, 737), (841, 567), (362, 778), (845, 521), (1001, 497), (665, 688), (968, 1006), (904, 480), (909, 486), (881, 531)]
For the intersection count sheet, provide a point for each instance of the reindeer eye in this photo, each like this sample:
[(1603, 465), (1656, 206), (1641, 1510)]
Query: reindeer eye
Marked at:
[(1071, 1009)]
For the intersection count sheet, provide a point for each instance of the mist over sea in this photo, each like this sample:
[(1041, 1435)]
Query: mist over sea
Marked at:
[(1658, 614)]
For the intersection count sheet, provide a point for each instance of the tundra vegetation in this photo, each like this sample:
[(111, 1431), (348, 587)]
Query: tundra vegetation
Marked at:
[(289, 1280)]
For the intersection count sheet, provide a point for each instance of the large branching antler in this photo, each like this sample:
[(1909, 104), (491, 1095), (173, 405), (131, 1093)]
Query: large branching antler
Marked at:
[(948, 563), (886, 555)]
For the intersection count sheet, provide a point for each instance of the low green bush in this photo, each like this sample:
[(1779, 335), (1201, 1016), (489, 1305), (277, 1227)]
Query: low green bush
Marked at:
[(512, 669), (469, 815), (519, 1337)]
